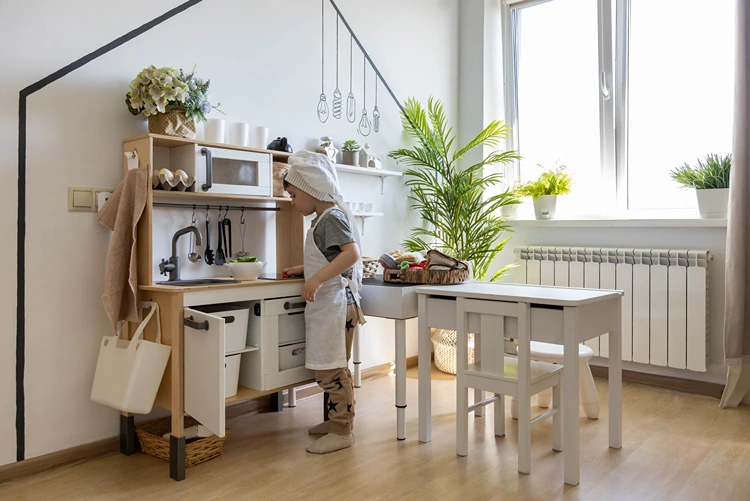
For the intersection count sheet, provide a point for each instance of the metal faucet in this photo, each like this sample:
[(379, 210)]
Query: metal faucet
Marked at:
[(172, 267)]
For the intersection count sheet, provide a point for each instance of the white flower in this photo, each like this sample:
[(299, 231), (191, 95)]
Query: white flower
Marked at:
[(136, 103), (156, 92), (150, 109), (170, 93), (161, 105)]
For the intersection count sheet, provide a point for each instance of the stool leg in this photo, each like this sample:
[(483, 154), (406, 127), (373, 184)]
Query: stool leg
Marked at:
[(500, 415), (544, 398), (462, 391), (587, 388), (514, 408), (557, 419), (478, 394)]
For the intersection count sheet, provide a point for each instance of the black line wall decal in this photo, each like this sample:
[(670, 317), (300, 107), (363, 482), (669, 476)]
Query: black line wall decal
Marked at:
[(21, 237)]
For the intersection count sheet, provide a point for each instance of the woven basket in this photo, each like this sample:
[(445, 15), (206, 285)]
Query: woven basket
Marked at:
[(172, 123), (444, 346), (199, 451), (433, 277), (371, 267)]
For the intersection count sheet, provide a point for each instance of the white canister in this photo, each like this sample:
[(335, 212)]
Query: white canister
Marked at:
[(258, 137), (239, 134), (214, 130)]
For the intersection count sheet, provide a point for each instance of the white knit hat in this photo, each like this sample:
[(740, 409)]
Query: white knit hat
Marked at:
[(314, 174)]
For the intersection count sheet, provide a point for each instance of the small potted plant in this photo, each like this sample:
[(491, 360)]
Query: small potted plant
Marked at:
[(171, 100), (510, 209), (350, 153), (544, 190), (710, 179)]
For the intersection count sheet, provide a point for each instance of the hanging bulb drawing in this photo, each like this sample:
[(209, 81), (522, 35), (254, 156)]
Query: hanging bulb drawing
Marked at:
[(351, 105), (323, 109), (364, 123), (376, 119), (337, 103)]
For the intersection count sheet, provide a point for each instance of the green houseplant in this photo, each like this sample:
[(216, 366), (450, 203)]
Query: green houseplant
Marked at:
[(544, 190), (171, 99), (710, 179), (462, 221), (350, 152)]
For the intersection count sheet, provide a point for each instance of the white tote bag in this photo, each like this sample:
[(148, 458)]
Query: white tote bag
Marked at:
[(128, 373)]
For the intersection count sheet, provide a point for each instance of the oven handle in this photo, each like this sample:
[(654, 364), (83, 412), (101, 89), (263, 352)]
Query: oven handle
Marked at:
[(209, 169), (294, 306)]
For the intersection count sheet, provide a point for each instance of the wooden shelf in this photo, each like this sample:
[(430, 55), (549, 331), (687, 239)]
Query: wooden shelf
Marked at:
[(244, 394), (246, 349), (368, 171), (203, 198), (161, 141)]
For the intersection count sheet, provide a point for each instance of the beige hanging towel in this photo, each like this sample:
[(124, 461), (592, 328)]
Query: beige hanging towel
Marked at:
[(121, 214)]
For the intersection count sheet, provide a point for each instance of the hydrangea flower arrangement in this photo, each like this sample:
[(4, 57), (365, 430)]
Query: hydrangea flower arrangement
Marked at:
[(162, 90)]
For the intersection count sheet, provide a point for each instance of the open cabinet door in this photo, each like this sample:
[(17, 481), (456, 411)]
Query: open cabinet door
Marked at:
[(204, 369)]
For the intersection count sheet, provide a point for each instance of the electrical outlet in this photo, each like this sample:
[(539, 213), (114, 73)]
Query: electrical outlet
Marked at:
[(85, 199)]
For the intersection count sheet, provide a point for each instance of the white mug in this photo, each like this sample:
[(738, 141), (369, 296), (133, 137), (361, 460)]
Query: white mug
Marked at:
[(369, 207), (214, 130), (258, 137), (239, 134)]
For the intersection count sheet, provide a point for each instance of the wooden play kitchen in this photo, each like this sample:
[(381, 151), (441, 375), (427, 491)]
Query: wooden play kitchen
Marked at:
[(195, 315)]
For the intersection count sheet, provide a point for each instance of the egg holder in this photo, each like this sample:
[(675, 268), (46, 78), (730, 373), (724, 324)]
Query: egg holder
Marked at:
[(167, 181)]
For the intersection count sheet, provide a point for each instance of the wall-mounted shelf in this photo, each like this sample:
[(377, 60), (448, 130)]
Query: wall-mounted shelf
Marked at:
[(369, 171), (365, 215), (204, 198), (161, 141)]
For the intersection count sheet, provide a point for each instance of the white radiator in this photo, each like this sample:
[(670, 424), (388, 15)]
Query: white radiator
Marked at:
[(665, 307)]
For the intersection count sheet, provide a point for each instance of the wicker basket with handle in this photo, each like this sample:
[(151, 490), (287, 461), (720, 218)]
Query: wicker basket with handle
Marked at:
[(432, 277), (153, 443)]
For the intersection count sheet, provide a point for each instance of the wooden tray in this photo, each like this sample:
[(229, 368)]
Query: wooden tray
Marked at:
[(424, 277)]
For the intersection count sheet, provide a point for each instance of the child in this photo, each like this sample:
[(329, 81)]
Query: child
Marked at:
[(332, 313)]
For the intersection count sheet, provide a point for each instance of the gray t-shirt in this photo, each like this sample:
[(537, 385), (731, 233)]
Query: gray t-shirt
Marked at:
[(330, 235)]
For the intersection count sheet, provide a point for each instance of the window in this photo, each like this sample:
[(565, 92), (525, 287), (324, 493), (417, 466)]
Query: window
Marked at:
[(621, 92)]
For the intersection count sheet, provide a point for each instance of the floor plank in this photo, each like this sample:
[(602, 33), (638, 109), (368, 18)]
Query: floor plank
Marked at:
[(676, 446)]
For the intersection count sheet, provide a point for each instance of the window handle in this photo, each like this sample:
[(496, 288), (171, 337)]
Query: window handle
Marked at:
[(603, 85)]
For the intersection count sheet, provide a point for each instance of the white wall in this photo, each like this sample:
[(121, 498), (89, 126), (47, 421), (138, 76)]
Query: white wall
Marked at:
[(264, 62)]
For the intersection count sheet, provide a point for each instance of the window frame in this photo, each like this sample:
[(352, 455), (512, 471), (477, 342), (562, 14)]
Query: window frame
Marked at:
[(612, 84)]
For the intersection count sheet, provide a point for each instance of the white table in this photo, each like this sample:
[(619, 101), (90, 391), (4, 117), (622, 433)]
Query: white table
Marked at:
[(559, 315), (397, 302)]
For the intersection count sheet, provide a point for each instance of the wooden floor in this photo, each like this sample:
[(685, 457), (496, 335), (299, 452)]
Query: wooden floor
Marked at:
[(676, 447)]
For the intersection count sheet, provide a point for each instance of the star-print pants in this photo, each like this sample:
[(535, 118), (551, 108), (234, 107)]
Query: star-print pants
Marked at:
[(337, 383)]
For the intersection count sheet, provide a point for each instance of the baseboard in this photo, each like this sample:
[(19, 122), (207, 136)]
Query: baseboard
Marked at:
[(672, 383)]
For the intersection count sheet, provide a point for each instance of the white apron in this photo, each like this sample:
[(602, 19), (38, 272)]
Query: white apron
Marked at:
[(325, 318)]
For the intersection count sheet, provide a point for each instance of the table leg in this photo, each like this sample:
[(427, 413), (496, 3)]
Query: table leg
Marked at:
[(277, 401), (571, 424), (128, 438), (478, 394), (291, 397), (356, 359), (401, 379), (177, 458), (615, 378), (425, 373)]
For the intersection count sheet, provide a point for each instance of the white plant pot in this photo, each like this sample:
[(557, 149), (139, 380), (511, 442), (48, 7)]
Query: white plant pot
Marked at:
[(214, 131), (712, 203), (509, 211), (544, 206)]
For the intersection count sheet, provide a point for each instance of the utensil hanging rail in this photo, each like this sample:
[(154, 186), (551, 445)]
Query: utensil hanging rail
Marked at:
[(214, 207)]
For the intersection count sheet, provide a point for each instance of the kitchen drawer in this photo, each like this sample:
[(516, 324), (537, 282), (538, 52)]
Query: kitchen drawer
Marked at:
[(291, 328), (291, 356), (283, 306)]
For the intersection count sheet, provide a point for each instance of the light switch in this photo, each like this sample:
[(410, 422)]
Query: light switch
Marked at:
[(83, 199)]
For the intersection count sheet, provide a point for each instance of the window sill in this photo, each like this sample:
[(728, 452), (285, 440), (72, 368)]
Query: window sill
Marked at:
[(620, 222)]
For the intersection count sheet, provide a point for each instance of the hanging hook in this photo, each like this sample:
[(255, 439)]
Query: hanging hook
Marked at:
[(208, 213), (135, 152), (242, 216)]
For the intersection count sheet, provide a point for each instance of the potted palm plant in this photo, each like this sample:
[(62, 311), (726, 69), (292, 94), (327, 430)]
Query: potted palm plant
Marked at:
[(710, 179), (461, 220), (545, 190)]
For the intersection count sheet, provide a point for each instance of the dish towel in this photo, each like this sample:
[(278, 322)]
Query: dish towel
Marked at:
[(121, 214)]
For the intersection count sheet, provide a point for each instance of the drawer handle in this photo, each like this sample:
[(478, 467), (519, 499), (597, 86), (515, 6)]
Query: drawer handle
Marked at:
[(209, 169), (294, 306), (229, 319), (296, 313), (199, 326), (297, 351)]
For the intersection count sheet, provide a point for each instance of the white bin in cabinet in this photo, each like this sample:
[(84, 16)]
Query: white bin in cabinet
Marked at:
[(235, 321), (231, 375), (291, 356)]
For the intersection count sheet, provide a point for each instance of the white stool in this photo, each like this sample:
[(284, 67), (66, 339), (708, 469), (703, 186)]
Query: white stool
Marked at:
[(553, 353), (503, 375)]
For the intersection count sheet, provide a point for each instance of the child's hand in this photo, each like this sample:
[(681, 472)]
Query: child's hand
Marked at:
[(310, 289), (294, 271)]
